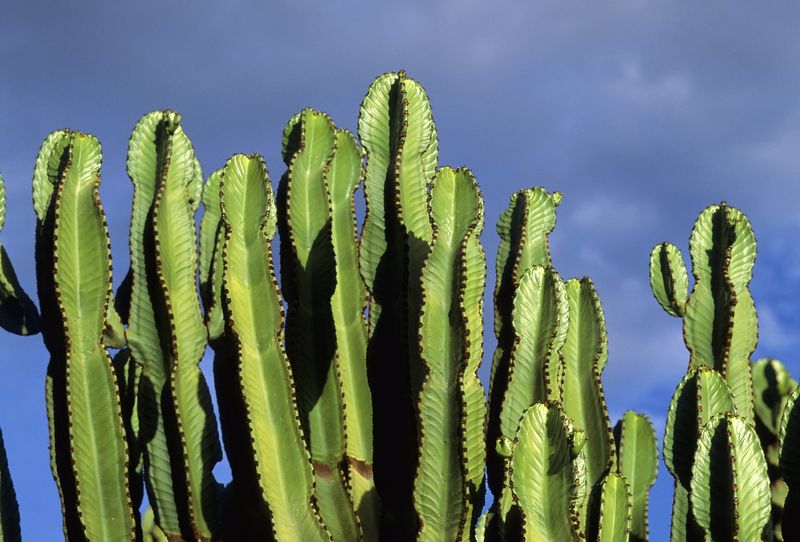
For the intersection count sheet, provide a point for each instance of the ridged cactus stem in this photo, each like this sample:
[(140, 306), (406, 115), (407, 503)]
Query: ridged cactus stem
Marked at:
[(790, 465), (89, 448), (440, 487), (396, 128), (255, 386), (166, 333), (308, 272), (637, 460), (523, 229)]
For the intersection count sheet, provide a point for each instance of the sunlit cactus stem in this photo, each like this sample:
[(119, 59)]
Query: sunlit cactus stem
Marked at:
[(88, 440), (166, 332)]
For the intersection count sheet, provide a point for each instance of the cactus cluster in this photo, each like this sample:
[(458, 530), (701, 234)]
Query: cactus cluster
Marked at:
[(346, 373)]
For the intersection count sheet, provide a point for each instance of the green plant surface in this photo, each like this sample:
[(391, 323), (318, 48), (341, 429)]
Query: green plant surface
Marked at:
[(789, 435), (523, 229), (166, 332), (669, 279), (211, 239), (440, 487), (615, 509), (637, 461), (255, 386), (396, 129), (18, 314), (730, 487), (584, 356), (547, 474), (89, 451), (9, 509)]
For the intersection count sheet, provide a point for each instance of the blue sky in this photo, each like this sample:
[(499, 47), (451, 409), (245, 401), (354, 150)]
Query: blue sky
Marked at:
[(641, 113)]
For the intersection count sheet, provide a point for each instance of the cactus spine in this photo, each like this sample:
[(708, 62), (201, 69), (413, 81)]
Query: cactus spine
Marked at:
[(88, 442), (720, 329), (166, 333)]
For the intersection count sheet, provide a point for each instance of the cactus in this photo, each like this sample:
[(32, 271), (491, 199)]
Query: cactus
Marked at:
[(255, 384), (166, 333), (773, 385), (396, 128), (637, 461), (9, 510), (720, 328), (444, 486), (18, 314), (73, 267), (730, 486), (615, 506), (547, 475), (789, 434)]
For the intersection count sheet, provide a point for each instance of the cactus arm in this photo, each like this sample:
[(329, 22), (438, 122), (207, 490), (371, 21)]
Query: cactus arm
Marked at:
[(176, 268), (343, 175), (259, 367), (145, 164), (789, 436), (308, 268), (94, 453), (471, 392), (669, 279), (18, 314), (615, 509), (439, 489), (730, 487), (583, 356), (9, 509), (637, 452), (720, 326), (211, 236), (481, 527), (544, 474)]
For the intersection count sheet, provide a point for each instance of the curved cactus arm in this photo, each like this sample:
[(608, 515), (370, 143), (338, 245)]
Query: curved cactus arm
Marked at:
[(343, 174), (90, 449), (701, 395), (482, 526), (9, 509), (211, 236), (440, 492), (472, 396), (254, 380), (615, 509), (546, 475), (789, 435), (18, 314), (397, 131), (166, 333), (129, 375), (730, 487), (523, 229), (308, 269), (720, 325), (584, 354), (637, 453), (175, 244), (669, 279)]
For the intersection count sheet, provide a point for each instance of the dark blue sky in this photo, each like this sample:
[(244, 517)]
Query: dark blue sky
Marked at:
[(642, 113)]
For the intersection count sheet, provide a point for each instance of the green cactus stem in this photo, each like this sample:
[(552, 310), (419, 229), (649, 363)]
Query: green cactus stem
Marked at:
[(615, 509), (255, 386), (790, 465), (584, 357), (396, 128), (211, 234), (637, 460), (547, 475), (309, 279), (730, 486), (18, 314), (772, 385), (89, 452), (9, 509), (701, 395), (441, 489), (669, 279), (523, 229), (166, 333)]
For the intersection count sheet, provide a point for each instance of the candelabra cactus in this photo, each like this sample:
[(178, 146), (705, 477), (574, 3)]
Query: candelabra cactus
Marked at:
[(89, 451), (9, 510), (713, 407)]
